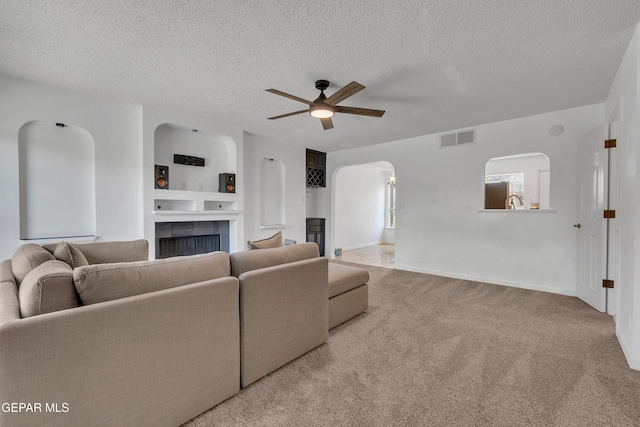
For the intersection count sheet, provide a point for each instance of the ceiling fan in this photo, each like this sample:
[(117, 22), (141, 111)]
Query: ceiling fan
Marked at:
[(324, 108)]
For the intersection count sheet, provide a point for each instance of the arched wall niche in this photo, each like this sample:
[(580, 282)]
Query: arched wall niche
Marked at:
[(57, 181), (272, 192), (218, 150)]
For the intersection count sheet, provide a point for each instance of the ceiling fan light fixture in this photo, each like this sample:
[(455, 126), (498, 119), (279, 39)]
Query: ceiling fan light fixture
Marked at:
[(321, 111), (324, 108)]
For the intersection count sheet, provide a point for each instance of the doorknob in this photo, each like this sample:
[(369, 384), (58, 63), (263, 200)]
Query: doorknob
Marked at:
[(577, 225)]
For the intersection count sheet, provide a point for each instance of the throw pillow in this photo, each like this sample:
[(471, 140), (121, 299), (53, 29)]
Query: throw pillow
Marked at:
[(274, 241), (26, 258), (47, 288), (70, 254)]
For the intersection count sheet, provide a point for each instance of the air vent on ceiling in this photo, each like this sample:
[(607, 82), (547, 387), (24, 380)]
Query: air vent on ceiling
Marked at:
[(459, 138)]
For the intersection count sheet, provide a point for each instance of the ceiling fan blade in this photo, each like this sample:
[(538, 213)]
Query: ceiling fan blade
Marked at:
[(288, 114), (342, 94), (360, 111), (286, 95), (327, 123)]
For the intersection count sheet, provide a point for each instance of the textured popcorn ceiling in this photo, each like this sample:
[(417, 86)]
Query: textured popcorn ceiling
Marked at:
[(432, 65)]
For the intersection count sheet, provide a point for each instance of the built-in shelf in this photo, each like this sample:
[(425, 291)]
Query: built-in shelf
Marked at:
[(316, 168), (178, 202), (187, 195), (207, 212), (273, 226)]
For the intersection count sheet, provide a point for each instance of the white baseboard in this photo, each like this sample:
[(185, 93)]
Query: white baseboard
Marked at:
[(493, 281), (633, 363)]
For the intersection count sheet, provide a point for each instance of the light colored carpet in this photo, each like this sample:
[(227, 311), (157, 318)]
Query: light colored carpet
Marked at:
[(434, 351)]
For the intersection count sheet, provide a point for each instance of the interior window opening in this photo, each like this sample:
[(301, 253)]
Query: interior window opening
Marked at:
[(517, 182)]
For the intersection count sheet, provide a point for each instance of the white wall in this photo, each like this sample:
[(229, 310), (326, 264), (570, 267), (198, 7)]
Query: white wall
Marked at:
[(273, 192), (625, 97), (292, 158), (441, 227), (359, 206), (115, 129)]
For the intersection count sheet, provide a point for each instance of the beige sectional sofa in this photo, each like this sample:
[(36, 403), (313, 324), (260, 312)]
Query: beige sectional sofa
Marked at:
[(95, 334), (155, 358)]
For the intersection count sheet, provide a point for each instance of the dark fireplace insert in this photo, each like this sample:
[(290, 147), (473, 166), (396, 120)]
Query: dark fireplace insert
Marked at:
[(191, 238)]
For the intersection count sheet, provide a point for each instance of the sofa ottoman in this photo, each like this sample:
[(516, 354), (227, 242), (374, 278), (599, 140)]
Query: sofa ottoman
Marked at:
[(348, 292)]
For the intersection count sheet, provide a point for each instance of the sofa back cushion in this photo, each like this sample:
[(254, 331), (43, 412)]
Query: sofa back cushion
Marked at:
[(47, 288), (107, 252), (26, 258), (242, 262), (105, 282)]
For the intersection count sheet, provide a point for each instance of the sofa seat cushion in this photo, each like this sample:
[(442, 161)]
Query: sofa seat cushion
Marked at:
[(105, 282), (343, 278), (47, 288), (26, 258), (242, 262)]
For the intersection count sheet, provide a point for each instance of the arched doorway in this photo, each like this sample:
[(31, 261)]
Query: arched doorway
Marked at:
[(364, 214)]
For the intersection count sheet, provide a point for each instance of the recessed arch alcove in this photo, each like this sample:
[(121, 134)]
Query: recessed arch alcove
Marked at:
[(57, 181), (272, 192), (218, 150)]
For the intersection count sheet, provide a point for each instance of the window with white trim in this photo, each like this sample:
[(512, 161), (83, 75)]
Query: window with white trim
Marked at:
[(391, 202)]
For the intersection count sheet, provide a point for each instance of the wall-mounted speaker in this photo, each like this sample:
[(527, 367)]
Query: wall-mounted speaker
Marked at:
[(182, 159), (227, 183), (162, 177)]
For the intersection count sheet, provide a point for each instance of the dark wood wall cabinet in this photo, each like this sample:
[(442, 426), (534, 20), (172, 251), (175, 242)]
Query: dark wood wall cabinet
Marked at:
[(315, 232), (316, 168)]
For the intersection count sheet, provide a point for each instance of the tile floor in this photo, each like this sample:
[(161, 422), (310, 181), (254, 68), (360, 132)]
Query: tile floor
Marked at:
[(378, 256)]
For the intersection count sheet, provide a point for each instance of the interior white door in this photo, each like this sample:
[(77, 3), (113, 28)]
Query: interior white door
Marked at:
[(591, 224)]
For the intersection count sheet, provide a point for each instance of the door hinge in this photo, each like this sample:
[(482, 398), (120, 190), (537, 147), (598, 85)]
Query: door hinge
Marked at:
[(610, 213), (606, 283), (609, 143)]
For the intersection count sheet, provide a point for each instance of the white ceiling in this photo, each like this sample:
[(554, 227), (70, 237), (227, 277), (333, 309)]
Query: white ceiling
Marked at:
[(432, 65)]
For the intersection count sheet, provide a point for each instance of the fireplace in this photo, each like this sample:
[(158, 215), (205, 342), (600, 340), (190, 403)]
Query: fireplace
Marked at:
[(191, 238)]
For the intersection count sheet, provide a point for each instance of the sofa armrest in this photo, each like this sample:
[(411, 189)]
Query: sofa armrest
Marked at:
[(155, 359), (9, 302), (283, 314)]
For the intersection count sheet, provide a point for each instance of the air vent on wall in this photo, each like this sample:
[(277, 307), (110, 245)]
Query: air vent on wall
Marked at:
[(460, 138)]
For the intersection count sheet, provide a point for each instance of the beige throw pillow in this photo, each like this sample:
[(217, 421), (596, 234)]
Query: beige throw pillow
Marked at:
[(47, 288), (274, 241), (26, 258), (70, 254)]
